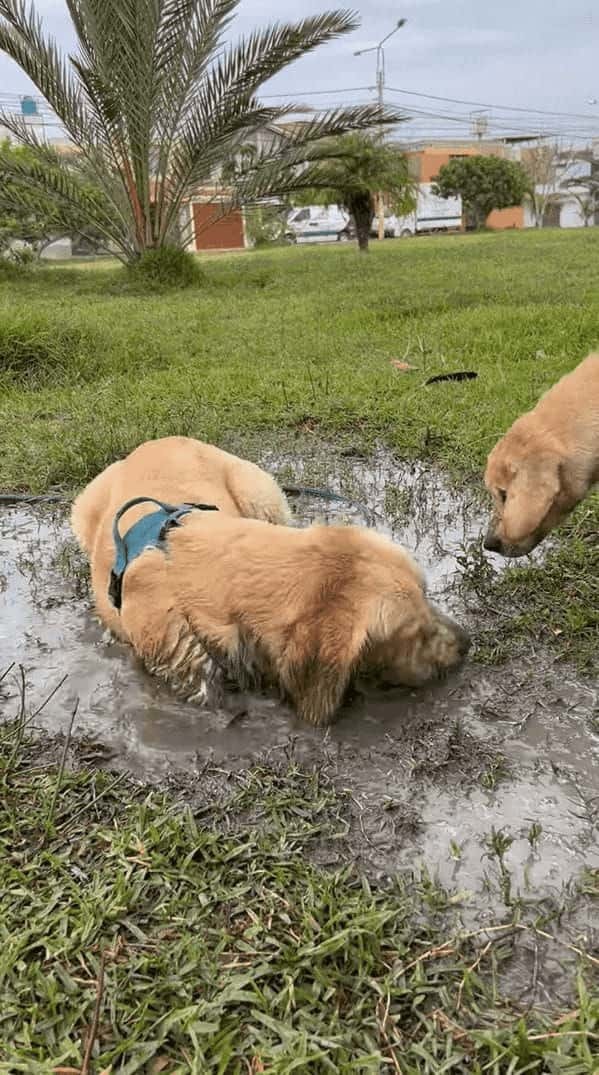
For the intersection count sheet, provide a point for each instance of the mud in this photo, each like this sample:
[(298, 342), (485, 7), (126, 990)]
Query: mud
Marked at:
[(430, 776)]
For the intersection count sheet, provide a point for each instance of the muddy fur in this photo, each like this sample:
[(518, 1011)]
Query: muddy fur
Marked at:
[(176, 470), (262, 604), (266, 605)]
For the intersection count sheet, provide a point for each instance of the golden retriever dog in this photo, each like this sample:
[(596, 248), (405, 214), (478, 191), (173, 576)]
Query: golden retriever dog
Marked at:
[(224, 597), (175, 469), (546, 463)]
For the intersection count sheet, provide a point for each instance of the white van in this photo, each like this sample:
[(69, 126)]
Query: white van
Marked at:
[(319, 224), (432, 214)]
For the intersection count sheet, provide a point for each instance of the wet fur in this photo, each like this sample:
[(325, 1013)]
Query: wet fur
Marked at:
[(175, 470), (305, 610), (546, 463), (254, 601)]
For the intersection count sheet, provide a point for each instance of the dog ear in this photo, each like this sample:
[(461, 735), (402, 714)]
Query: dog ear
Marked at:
[(393, 614), (317, 686), (320, 671), (529, 498), (315, 689)]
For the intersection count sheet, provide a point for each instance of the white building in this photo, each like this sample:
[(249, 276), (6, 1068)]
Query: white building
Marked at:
[(570, 197)]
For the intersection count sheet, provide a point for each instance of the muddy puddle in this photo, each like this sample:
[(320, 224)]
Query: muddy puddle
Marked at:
[(430, 775)]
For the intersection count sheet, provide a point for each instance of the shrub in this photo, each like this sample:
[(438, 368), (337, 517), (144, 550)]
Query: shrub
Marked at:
[(165, 267)]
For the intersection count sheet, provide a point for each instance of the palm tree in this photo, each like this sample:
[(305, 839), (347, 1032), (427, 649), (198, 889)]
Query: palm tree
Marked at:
[(352, 170), (155, 103)]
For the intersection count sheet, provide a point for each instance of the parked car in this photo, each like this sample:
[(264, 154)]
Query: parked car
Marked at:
[(319, 224), (432, 214)]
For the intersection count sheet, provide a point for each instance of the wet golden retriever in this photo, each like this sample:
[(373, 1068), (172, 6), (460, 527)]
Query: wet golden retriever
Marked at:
[(175, 469), (546, 463), (230, 597)]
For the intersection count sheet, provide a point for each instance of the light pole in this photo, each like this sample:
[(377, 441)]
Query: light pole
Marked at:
[(380, 87)]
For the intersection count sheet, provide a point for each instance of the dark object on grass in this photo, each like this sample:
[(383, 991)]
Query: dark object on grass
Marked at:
[(308, 490), (460, 375), (27, 498)]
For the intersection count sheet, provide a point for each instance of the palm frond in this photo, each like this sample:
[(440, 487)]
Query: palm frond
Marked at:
[(274, 179), (208, 141), (318, 139), (257, 58), (44, 182), (190, 32), (89, 168), (228, 88)]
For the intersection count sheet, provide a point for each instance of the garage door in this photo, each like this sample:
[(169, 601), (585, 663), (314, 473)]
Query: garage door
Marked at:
[(223, 234)]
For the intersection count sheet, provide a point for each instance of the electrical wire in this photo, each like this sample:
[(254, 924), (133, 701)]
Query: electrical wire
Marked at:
[(502, 108)]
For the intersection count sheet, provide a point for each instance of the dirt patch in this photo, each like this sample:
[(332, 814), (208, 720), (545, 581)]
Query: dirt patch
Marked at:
[(491, 775)]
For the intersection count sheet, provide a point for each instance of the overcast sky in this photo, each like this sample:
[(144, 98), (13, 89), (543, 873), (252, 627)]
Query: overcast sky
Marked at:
[(529, 53)]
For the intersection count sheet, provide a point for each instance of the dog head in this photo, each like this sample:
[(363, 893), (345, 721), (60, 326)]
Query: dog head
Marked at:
[(382, 625), (411, 643), (527, 478)]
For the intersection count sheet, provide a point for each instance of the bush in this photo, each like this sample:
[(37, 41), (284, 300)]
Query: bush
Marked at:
[(23, 256), (265, 226), (168, 266)]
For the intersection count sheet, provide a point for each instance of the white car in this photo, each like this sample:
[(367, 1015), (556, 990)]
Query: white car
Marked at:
[(319, 224)]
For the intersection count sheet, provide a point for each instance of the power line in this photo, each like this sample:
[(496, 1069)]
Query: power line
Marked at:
[(317, 93), (18, 97), (503, 108)]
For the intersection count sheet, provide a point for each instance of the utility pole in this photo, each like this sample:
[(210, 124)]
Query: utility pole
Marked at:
[(380, 88)]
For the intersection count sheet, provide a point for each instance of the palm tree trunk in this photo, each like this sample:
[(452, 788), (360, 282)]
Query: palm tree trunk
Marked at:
[(363, 236), (361, 207)]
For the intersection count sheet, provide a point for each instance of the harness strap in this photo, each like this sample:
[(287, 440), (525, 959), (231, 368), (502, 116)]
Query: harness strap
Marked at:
[(148, 532)]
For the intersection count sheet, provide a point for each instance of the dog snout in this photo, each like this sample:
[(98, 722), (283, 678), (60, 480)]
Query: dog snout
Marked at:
[(460, 634), (492, 543)]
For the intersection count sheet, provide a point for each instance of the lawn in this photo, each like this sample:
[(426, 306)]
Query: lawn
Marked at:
[(281, 341), (88, 369), (145, 935), (149, 931)]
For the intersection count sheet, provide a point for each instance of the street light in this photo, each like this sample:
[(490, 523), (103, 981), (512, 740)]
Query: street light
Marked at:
[(380, 86)]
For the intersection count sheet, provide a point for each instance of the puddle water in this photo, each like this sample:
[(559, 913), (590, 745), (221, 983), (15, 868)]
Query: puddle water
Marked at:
[(424, 769)]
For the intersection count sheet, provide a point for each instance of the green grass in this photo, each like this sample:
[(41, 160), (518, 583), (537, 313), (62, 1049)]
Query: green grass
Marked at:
[(558, 605), (155, 938), (194, 939), (270, 338), (272, 342)]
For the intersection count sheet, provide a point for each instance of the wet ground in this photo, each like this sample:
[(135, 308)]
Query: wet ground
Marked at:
[(430, 776)]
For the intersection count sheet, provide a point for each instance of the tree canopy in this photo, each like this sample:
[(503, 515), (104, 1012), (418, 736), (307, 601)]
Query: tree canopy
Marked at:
[(483, 183)]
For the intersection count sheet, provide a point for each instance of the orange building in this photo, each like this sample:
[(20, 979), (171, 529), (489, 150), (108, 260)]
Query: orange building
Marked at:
[(426, 160)]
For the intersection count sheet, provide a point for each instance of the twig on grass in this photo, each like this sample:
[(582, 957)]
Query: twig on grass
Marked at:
[(93, 1030), (59, 775)]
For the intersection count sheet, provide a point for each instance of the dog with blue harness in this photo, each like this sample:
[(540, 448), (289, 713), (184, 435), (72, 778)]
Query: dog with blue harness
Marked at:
[(149, 532), (207, 597)]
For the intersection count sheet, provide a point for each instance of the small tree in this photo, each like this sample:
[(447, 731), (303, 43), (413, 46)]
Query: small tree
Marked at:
[(483, 183), (19, 221), (586, 196), (356, 168), (543, 167), (265, 225), (33, 216)]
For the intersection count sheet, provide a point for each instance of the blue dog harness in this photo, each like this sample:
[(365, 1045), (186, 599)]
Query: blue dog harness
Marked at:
[(148, 532)]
